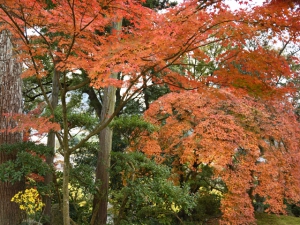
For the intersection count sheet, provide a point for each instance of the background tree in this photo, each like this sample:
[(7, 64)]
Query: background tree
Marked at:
[(10, 103)]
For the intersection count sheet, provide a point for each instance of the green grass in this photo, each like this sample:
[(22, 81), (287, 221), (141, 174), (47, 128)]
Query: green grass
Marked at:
[(266, 219)]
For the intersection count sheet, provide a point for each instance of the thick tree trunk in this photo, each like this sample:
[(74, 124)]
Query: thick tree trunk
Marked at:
[(10, 102), (99, 215), (103, 162)]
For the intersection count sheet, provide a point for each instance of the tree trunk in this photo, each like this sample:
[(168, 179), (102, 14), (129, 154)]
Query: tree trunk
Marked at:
[(99, 216), (103, 162), (65, 189), (51, 144), (67, 153), (10, 102)]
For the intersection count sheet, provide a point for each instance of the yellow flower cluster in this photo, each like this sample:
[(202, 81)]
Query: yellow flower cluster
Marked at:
[(29, 201)]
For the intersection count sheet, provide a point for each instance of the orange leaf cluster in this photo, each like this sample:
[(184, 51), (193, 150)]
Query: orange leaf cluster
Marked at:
[(26, 122), (251, 145), (75, 35)]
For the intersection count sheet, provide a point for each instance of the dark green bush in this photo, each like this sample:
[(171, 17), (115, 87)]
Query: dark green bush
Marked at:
[(147, 195), (207, 206)]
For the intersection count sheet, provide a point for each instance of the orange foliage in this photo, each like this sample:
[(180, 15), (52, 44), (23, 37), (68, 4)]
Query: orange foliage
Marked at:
[(36, 177), (259, 72), (26, 122), (151, 42), (251, 144)]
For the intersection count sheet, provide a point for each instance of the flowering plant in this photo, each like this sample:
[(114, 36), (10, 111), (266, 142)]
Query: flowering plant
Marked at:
[(29, 201)]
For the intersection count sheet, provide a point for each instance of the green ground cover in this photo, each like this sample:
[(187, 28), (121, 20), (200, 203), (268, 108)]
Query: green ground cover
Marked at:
[(265, 219)]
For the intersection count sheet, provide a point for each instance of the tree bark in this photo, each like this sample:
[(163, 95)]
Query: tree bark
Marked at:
[(10, 102), (51, 144), (65, 189), (67, 153), (99, 216), (103, 162)]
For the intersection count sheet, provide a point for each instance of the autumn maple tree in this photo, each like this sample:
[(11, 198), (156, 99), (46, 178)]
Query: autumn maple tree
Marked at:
[(79, 40), (250, 144)]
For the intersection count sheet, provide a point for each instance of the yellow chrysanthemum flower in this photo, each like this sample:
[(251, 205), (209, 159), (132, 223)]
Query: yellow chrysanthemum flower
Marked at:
[(29, 201)]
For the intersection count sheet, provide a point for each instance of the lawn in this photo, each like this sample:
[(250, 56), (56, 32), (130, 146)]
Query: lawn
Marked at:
[(265, 219)]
